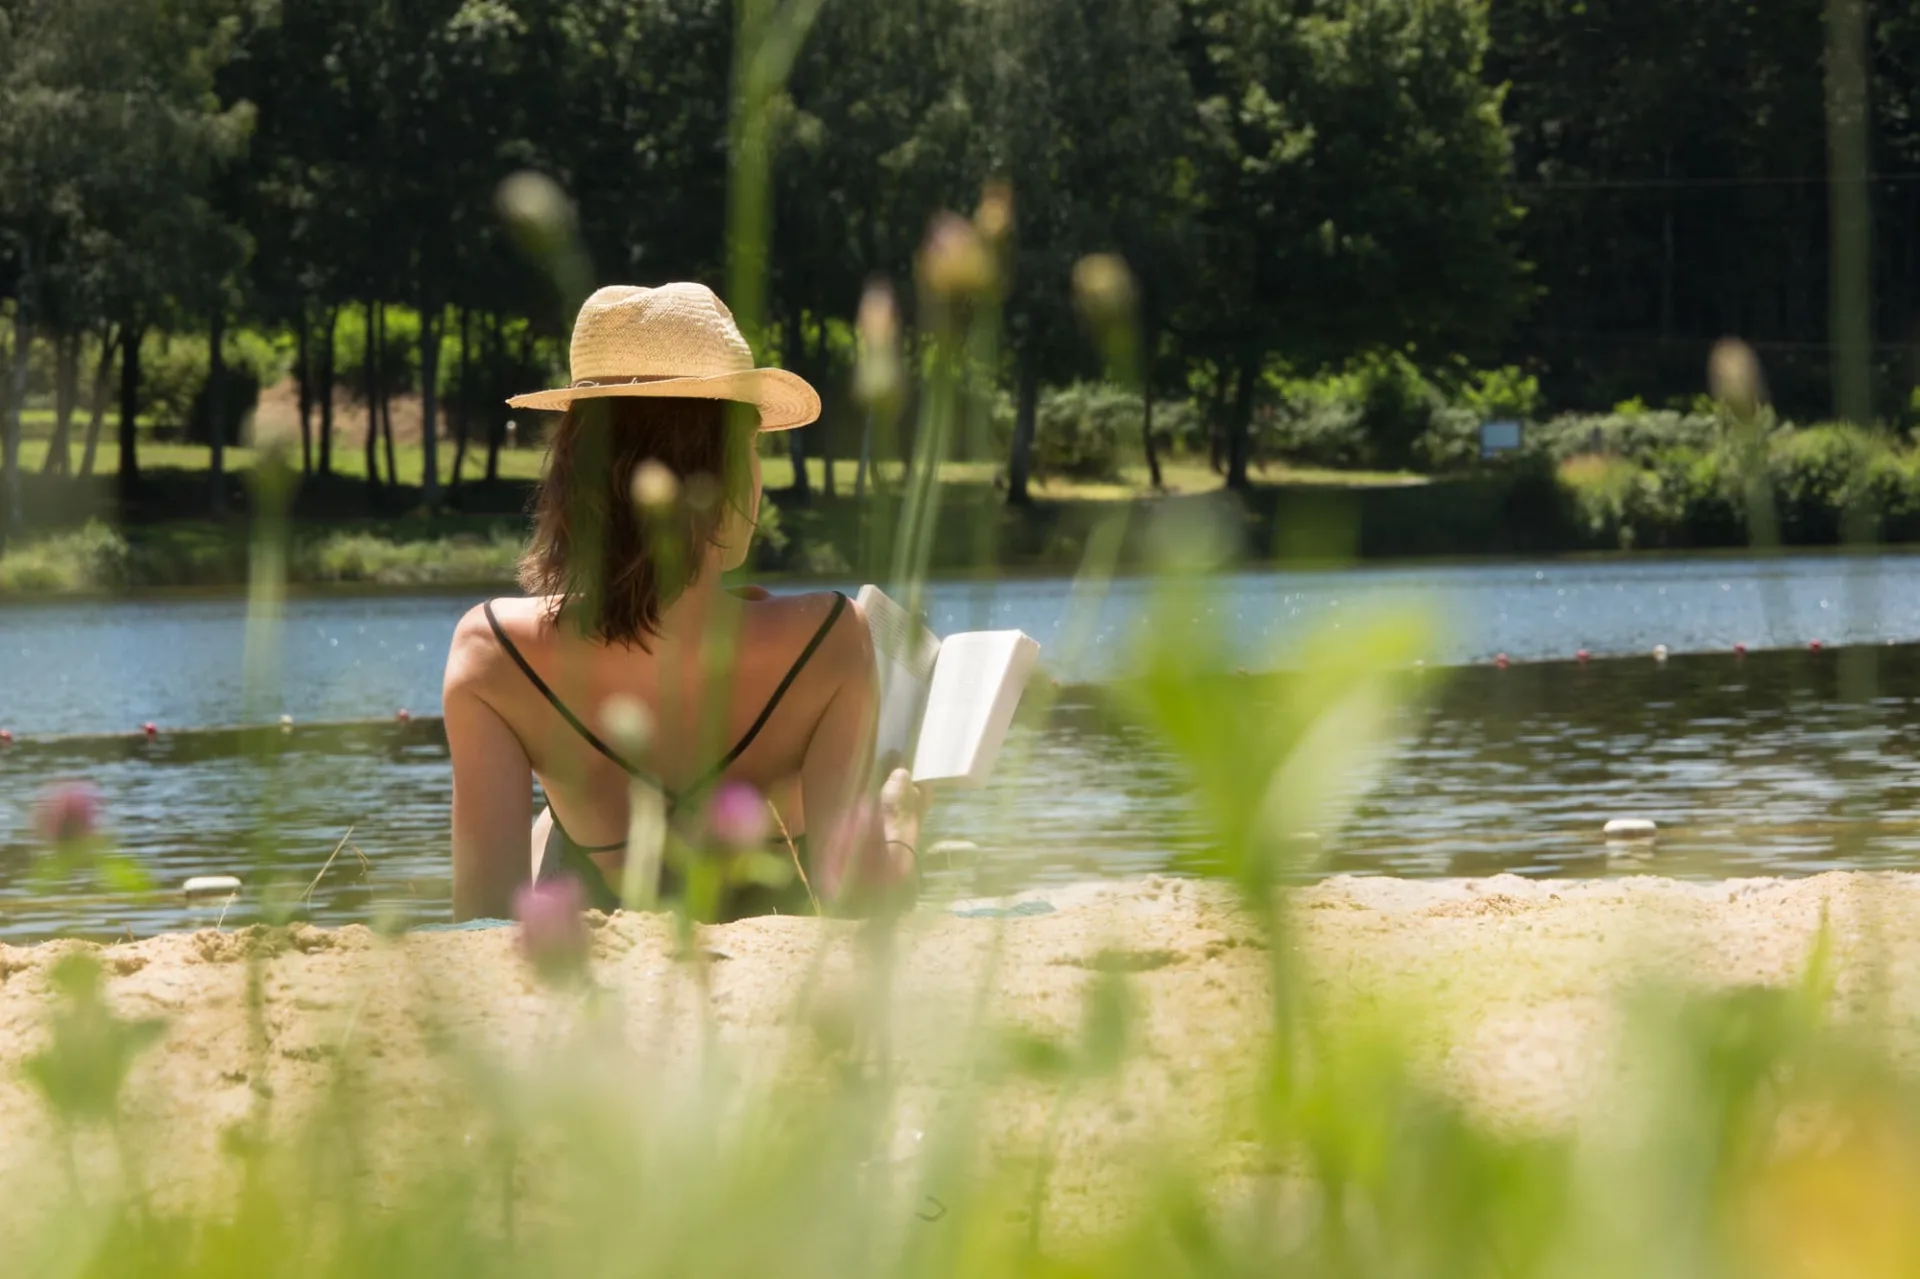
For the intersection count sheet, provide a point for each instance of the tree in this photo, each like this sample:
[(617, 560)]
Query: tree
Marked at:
[(109, 137), (1349, 169), (1672, 159), (871, 139), (1086, 109)]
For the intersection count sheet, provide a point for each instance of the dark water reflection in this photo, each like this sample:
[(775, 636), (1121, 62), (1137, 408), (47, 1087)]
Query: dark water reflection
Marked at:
[(1754, 766)]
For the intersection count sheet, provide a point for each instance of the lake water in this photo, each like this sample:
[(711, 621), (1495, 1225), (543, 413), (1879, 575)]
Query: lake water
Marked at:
[(1754, 765)]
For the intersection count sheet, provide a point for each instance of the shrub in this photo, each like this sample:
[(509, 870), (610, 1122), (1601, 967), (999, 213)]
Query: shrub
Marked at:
[(1816, 475), (1507, 392), (93, 558), (369, 557), (1452, 443), (1371, 415), (1638, 436), (173, 373), (1397, 406), (1683, 498), (1086, 431), (1315, 424)]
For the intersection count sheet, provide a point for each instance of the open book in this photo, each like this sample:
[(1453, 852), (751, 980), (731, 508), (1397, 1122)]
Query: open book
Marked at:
[(944, 704)]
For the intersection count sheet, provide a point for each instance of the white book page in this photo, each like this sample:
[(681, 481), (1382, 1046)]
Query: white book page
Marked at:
[(906, 652), (977, 682)]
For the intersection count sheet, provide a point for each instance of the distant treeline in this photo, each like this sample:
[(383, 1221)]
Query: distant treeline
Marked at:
[(1587, 191)]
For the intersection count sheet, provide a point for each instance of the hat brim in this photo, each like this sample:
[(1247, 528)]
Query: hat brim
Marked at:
[(785, 400)]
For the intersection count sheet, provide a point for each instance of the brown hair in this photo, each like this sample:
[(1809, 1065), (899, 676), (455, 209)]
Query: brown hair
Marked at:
[(610, 567)]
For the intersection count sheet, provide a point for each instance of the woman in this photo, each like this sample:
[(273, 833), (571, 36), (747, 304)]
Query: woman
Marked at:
[(629, 664)]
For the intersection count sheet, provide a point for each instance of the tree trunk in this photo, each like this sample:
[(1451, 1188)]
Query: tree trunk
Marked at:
[(1242, 423), (303, 370), (326, 391), (463, 400), (429, 408), (865, 460), (496, 410), (130, 334), (66, 394), (500, 413), (1025, 414), (822, 434), (217, 406), (373, 402), (16, 399), (1216, 422), (1146, 435), (386, 410), (801, 488), (102, 376)]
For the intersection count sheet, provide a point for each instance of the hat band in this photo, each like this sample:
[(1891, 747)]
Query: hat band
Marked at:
[(586, 383)]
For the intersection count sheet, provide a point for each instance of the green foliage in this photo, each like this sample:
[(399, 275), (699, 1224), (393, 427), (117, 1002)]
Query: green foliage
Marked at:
[(1373, 415), (1639, 435), (1816, 475), (175, 382), (89, 1049), (1087, 431), (1507, 392), (94, 558), (370, 557)]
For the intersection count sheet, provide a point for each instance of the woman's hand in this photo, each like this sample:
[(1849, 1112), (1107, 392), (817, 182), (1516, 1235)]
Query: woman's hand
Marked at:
[(902, 807), (870, 860)]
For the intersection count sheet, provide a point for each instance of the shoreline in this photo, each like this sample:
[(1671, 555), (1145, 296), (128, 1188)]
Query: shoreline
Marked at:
[(455, 553)]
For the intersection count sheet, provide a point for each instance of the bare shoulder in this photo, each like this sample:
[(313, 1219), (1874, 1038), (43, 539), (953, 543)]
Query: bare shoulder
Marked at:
[(844, 648), (476, 652)]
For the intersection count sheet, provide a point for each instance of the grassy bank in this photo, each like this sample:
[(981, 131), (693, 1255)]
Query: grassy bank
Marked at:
[(346, 531), (100, 559), (1607, 485)]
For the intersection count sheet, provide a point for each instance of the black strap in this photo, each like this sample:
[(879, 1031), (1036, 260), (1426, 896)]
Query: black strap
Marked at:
[(575, 861), (726, 761), (766, 712), (591, 737)]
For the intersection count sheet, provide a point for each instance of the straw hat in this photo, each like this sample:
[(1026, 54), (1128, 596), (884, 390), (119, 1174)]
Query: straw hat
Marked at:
[(678, 340)]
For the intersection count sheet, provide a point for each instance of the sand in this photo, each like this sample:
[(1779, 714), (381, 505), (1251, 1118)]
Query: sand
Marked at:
[(1509, 988)]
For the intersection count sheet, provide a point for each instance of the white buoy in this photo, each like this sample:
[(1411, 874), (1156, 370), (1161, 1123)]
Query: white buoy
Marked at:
[(286, 723), (1630, 828), (211, 886), (1659, 652)]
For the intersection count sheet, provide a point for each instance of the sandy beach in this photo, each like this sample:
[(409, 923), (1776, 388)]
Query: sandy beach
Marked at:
[(1509, 988)]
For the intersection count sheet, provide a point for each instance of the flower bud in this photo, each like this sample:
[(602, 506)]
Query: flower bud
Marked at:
[(955, 262), (994, 217), (538, 213), (1733, 375), (737, 815), (629, 723), (655, 487), (68, 814), (876, 373), (553, 931), (1103, 290)]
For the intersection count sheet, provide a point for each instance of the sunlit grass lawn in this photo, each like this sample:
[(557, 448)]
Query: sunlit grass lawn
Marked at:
[(1179, 475)]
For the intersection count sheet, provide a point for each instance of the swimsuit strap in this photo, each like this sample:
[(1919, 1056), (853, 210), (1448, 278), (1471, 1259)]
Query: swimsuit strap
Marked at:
[(573, 852), (592, 739), (766, 712), (574, 860)]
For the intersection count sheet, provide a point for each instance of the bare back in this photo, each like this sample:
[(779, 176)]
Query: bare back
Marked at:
[(799, 731)]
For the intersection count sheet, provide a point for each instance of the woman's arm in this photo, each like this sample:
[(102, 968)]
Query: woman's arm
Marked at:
[(492, 787), (863, 849)]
